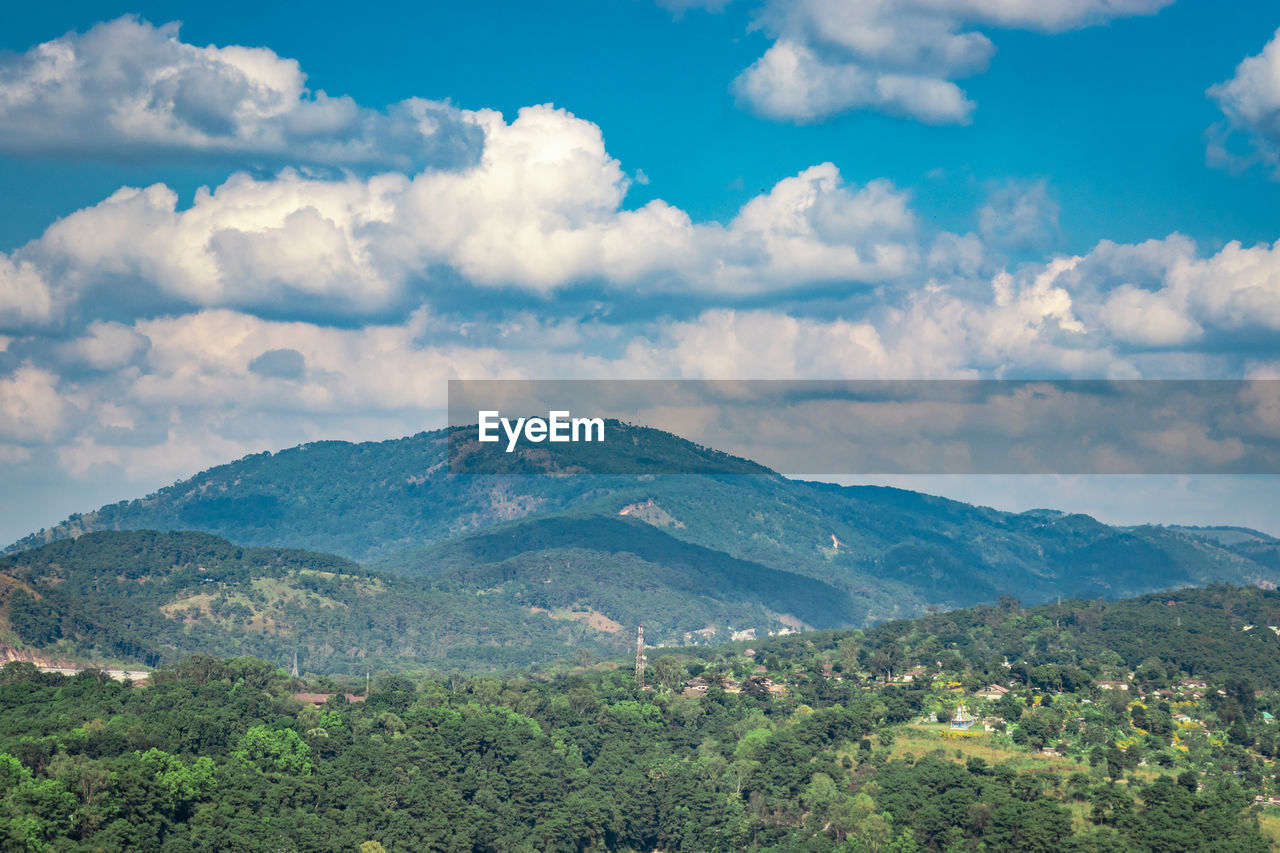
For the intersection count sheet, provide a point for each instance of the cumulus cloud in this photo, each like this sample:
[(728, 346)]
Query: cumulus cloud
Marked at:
[(32, 406), (728, 344), (26, 298), (541, 210), (1162, 294), (793, 82), (127, 89), (106, 346), (1250, 101), (1237, 288), (894, 56)]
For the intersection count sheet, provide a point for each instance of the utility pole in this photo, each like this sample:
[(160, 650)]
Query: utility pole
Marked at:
[(294, 672), (640, 657)]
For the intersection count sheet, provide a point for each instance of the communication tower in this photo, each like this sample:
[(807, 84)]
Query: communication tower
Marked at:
[(640, 658)]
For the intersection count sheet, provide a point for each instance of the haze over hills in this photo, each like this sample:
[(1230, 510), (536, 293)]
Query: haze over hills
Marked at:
[(690, 556)]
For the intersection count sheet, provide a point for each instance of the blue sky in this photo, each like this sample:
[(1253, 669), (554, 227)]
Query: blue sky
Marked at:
[(821, 188), (1112, 116)]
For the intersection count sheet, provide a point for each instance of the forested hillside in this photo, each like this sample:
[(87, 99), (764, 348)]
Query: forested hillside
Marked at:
[(394, 506), (152, 598), (782, 747), (509, 598), (1217, 633), (633, 571)]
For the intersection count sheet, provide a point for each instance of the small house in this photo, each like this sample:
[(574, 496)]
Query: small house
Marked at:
[(695, 687)]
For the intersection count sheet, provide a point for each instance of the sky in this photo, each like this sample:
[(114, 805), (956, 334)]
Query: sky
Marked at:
[(231, 228)]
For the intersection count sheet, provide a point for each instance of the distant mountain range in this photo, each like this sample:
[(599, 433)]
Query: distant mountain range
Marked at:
[(504, 570)]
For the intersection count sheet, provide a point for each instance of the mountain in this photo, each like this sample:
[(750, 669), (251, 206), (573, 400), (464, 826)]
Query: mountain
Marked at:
[(634, 572), (393, 506), (1214, 633), (153, 598), (1255, 546)]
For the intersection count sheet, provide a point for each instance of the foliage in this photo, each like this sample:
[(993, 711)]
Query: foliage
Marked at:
[(215, 755), (395, 506), (152, 598)]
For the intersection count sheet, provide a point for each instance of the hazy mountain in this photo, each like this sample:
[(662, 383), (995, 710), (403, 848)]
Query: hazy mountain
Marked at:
[(152, 598), (393, 506)]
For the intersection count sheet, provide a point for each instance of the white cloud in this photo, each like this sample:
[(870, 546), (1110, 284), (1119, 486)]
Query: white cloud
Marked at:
[(1237, 288), (25, 296), (167, 395), (813, 227), (1251, 102), (32, 408), (1161, 294), (207, 369), (725, 344), (126, 90), (791, 82), (895, 56), (106, 346), (541, 210), (1120, 311), (1148, 319)]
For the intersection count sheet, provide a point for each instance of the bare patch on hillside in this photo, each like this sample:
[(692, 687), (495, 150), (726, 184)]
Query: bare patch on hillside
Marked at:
[(651, 513), (592, 618)]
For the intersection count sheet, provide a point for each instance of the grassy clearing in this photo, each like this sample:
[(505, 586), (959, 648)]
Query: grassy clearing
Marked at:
[(592, 618), (1269, 818), (278, 591), (1079, 816), (920, 740)]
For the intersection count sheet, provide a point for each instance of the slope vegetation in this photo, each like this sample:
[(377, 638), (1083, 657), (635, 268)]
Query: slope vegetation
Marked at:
[(393, 506)]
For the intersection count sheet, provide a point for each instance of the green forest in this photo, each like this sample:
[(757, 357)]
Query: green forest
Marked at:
[(820, 741), (397, 507), (142, 597), (466, 668)]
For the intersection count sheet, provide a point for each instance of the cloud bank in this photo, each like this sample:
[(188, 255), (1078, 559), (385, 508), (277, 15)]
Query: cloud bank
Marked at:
[(542, 210), (127, 90)]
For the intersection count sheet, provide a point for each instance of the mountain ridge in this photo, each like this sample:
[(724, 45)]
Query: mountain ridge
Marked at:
[(391, 505)]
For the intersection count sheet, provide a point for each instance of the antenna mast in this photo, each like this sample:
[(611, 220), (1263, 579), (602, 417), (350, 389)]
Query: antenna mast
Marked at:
[(640, 656)]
